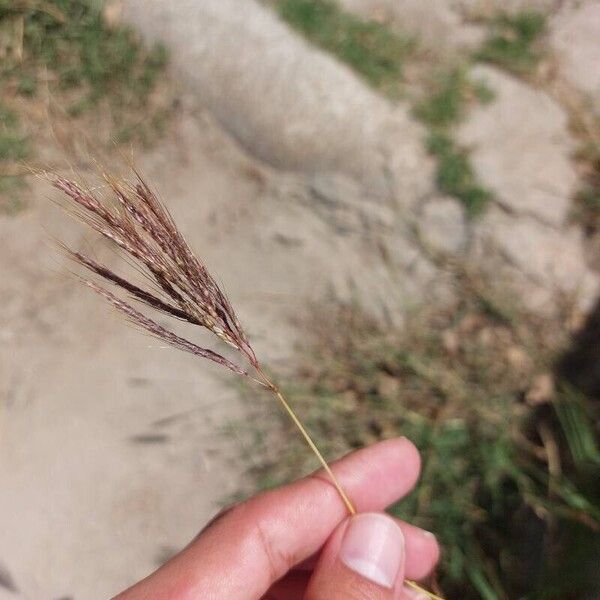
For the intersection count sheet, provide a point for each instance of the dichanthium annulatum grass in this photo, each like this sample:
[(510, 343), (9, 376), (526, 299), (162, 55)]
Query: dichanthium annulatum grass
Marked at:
[(180, 285)]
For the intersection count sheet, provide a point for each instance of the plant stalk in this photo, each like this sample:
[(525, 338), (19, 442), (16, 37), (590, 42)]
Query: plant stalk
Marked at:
[(316, 451)]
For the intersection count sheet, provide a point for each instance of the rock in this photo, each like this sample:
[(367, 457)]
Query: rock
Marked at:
[(490, 8), (575, 38), (289, 103), (435, 22), (339, 200), (442, 226), (542, 265), (520, 148), (417, 280)]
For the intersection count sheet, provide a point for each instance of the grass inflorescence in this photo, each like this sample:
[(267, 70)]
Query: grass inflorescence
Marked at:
[(176, 285)]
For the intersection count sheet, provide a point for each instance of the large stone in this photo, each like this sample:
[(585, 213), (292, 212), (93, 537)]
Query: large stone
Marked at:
[(575, 38), (490, 8), (543, 265), (442, 226), (289, 103), (520, 148), (435, 23)]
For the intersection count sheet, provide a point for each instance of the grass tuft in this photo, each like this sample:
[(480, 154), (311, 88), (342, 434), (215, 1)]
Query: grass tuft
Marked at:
[(14, 147), (13, 144), (512, 42), (453, 93), (455, 175), (444, 107), (11, 201), (373, 50), (69, 38), (64, 48), (587, 205)]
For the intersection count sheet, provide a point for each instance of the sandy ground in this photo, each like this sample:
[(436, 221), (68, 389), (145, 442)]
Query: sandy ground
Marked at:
[(112, 454)]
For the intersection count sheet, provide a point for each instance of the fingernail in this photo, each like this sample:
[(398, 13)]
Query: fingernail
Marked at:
[(373, 547)]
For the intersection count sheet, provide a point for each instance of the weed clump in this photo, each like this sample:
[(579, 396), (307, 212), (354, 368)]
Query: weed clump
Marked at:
[(455, 175), (442, 109), (512, 42), (373, 50), (70, 39)]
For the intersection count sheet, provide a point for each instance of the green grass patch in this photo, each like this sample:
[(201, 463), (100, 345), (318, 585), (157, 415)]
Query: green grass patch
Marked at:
[(450, 97), (588, 203), (84, 67), (13, 144), (70, 39), (14, 147), (444, 107), (455, 175), (370, 48), (12, 201), (459, 385), (512, 42)]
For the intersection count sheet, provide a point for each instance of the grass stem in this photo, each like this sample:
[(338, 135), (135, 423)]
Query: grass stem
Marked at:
[(326, 467), (309, 441)]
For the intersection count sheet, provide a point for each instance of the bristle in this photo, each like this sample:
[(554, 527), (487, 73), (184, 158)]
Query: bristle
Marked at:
[(160, 332)]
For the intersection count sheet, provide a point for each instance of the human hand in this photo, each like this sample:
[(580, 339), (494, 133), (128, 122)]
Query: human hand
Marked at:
[(297, 542)]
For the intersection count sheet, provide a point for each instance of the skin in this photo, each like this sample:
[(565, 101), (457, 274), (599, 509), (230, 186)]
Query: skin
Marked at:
[(284, 544)]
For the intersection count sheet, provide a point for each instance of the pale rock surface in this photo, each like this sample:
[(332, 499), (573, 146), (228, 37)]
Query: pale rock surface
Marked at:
[(291, 105), (436, 23), (542, 264), (443, 226), (520, 148), (487, 8), (575, 39)]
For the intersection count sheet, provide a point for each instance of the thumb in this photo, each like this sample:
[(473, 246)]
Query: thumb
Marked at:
[(363, 559)]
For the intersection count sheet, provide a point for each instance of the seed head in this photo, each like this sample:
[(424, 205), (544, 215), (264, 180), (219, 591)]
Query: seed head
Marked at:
[(142, 228)]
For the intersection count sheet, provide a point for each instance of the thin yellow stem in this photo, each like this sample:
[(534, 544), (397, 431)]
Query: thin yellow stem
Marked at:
[(416, 586), (317, 452), (325, 465)]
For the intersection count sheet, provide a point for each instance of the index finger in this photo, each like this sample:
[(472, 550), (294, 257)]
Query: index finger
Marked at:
[(254, 544)]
